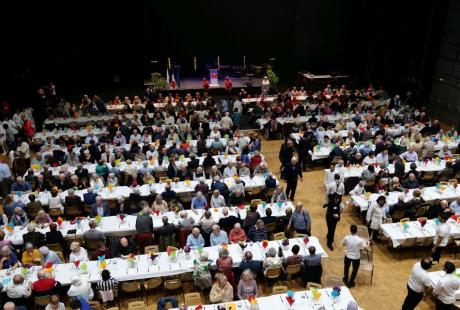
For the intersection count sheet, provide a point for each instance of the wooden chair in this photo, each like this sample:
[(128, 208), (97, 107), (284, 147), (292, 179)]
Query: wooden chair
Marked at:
[(422, 210), (56, 247), (313, 284), (92, 245), (334, 280), (150, 285), (256, 202), (55, 213), (95, 305), (87, 209), (270, 228), (428, 176), (192, 299), (292, 270), (130, 287), (273, 273), (279, 289), (41, 301), (71, 212), (33, 211), (279, 236), (363, 233), (367, 263), (136, 305), (112, 204), (151, 248), (398, 215), (172, 284), (113, 308)]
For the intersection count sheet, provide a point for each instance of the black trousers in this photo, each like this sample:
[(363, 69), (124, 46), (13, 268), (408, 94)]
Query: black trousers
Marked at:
[(347, 263), (331, 225), (442, 306), (290, 188), (303, 159), (412, 299), (437, 254)]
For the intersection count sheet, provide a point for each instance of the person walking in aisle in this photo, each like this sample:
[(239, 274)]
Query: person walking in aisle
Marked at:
[(334, 209), (291, 173), (353, 245)]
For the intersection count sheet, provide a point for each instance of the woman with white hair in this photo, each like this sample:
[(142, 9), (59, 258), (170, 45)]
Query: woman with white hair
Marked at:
[(77, 253), (201, 272), (272, 260), (96, 181), (222, 290), (112, 179), (185, 221), (80, 289), (247, 286)]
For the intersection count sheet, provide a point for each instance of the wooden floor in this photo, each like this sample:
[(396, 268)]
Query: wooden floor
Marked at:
[(390, 277)]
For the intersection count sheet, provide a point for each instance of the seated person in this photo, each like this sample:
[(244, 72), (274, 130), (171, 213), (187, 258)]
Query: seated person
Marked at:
[(248, 263), (31, 256), (411, 182), (102, 250), (269, 218), (54, 236), (45, 285), (125, 248), (37, 239), (8, 258), (185, 221), (258, 232), (77, 253), (236, 198), (218, 236), (272, 260), (19, 291), (439, 208), (399, 206), (49, 256), (222, 290), (195, 239), (279, 195), (198, 202), (295, 258), (237, 234), (80, 289), (312, 267), (247, 286)]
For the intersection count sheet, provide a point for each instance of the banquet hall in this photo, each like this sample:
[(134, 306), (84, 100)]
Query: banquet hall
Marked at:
[(246, 155)]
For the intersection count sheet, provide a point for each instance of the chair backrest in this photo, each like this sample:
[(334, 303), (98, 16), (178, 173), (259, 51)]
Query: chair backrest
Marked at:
[(421, 211), (151, 248), (279, 236), (55, 212), (54, 247), (130, 286), (60, 255), (405, 219), (171, 248), (273, 273), (153, 283), (93, 244), (334, 280), (163, 179), (293, 269), (279, 289), (172, 284), (313, 284), (113, 308), (256, 202), (95, 305), (33, 210), (42, 301), (192, 299), (399, 215), (71, 211), (270, 227), (297, 235), (136, 305), (363, 233)]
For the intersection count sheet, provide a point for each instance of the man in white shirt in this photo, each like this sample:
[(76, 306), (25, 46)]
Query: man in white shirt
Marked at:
[(446, 288), (418, 285), (238, 105), (226, 121), (135, 137), (441, 238), (217, 200), (230, 171), (353, 245)]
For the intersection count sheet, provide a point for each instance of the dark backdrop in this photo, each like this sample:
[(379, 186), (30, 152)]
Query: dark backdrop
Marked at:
[(87, 45)]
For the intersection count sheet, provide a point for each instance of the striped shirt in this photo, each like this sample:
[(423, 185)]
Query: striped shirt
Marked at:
[(108, 285)]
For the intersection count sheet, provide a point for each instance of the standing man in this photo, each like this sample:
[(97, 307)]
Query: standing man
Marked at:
[(287, 151), (441, 238), (291, 172), (446, 287), (418, 285), (334, 208), (5, 178), (353, 245)]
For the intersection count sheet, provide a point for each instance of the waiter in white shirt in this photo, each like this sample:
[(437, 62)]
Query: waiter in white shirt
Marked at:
[(446, 287), (418, 285), (441, 238), (353, 245)]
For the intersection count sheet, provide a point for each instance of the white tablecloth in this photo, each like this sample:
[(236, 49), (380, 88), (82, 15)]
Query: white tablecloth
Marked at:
[(145, 268), (112, 226), (435, 276)]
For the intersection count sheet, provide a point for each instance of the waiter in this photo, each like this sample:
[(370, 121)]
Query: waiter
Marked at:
[(291, 173), (418, 285), (334, 208)]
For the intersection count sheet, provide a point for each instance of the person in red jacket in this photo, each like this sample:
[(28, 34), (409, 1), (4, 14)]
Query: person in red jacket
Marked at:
[(205, 84), (228, 84), (28, 127)]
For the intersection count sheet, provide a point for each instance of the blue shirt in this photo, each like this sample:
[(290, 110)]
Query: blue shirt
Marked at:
[(218, 239), (301, 221), (195, 242), (10, 261), (21, 188), (199, 203), (5, 172)]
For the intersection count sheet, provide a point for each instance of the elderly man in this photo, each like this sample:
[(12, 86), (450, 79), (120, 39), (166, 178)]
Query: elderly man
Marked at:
[(125, 248), (20, 186), (198, 202), (230, 171), (291, 173), (411, 182), (257, 232), (45, 285), (455, 206), (144, 228), (19, 217), (195, 239), (226, 121), (72, 199), (19, 291), (236, 198), (93, 234), (119, 139), (42, 185), (145, 168), (7, 258), (202, 186), (410, 155), (239, 185), (37, 239), (218, 236), (217, 200), (62, 183), (89, 197), (217, 145), (185, 221), (100, 207), (218, 184), (49, 256)]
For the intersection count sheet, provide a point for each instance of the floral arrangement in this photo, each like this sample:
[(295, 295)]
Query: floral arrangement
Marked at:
[(265, 244), (48, 267), (76, 263), (422, 221), (98, 219), (242, 244), (102, 262), (404, 225), (25, 272), (187, 182), (252, 300), (336, 291), (285, 242), (59, 221), (10, 227), (316, 294), (131, 260), (306, 240), (84, 267), (122, 217), (290, 297), (110, 187)]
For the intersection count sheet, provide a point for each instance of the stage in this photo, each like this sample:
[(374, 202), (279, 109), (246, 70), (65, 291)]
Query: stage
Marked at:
[(195, 83)]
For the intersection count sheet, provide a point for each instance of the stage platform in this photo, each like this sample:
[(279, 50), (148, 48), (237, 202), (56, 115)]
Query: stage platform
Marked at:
[(195, 83)]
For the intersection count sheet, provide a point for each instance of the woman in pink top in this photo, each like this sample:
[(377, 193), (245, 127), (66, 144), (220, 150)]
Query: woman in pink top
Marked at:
[(237, 234)]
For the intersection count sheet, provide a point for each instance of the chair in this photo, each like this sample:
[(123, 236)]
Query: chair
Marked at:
[(405, 219), (334, 280), (136, 305), (270, 227), (192, 299), (297, 235), (313, 284), (164, 179), (71, 212), (93, 244), (422, 211), (151, 284), (398, 215), (256, 202), (279, 289), (86, 209), (279, 236), (407, 243), (428, 176), (363, 233), (55, 213), (95, 305), (273, 273), (56, 247), (151, 248), (292, 270), (61, 257), (335, 160), (113, 308), (367, 263), (33, 210), (130, 287), (112, 204), (41, 301), (172, 284)]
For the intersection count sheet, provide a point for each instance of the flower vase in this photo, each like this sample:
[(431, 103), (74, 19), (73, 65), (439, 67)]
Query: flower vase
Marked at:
[(172, 259)]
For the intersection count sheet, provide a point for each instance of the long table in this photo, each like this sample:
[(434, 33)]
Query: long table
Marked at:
[(113, 226), (163, 266), (415, 234), (428, 193)]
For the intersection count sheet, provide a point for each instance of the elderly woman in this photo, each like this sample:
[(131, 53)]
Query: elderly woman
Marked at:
[(77, 253), (300, 220), (247, 286), (55, 201), (272, 260), (96, 181), (206, 221), (199, 174), (43, 219), (185, 221), (215, 172), (75, 183), (49, 256), (31, 256), (395, 185), (112, 179), (222, 290), (159, 204), (258, 232), (237, 234), (244, 170), (19, 217), (225, 265), (279, 195), (201, 272), (80, 289), (148, 178), (7, 258)]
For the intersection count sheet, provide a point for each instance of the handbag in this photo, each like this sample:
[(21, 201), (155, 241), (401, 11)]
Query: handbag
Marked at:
[(107, 296)]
